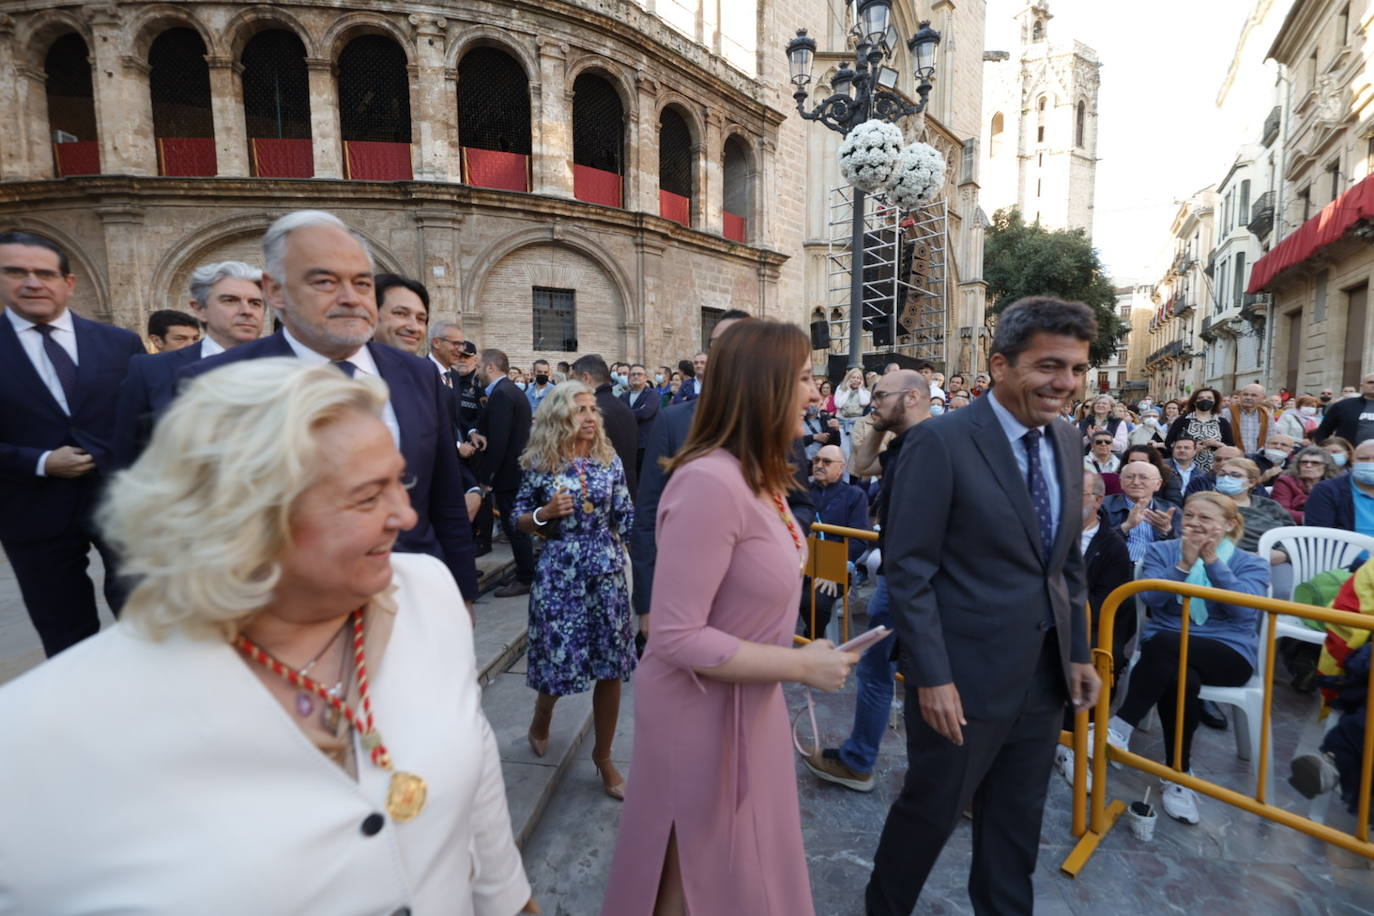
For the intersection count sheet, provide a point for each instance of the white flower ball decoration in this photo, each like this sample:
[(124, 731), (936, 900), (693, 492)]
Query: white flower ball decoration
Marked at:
[(917, 177), (869, 153)]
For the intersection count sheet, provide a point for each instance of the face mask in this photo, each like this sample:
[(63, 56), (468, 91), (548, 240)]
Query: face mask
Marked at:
[(1308, 411), (658, 378), (541, 380), (936, 410), (1205, 405), (520, 385), (1363, 472), (1325, 398), (1339, 458), (1230, 486), (1151, 421), (1275, 455)]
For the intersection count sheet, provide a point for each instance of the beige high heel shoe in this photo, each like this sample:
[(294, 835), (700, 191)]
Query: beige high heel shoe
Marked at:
[(616, 790)]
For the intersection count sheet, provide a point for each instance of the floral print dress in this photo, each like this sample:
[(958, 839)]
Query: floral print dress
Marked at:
[(581, 629), (1200, 429)]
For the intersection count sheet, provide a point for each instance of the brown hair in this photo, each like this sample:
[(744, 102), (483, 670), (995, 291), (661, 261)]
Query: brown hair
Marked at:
[(748, 406), (1192, 402)]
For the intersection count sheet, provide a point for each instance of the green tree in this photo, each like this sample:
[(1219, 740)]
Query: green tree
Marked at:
[(1022, 259)]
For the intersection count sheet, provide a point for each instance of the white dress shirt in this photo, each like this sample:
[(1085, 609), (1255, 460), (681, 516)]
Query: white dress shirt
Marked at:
[(363, 364), (64, 332), (1049, 467), (443, 373), (1087, 538), (209, 347)]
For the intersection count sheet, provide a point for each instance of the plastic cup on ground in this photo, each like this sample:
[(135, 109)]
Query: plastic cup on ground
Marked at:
[(1141, 818)]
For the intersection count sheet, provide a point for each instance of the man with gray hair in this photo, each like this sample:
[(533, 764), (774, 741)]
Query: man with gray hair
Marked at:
[(319, 279), (226, 297)]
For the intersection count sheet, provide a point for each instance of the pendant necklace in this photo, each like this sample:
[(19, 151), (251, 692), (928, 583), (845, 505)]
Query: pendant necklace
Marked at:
[(405, 797), (305, 703), (791, 524), (587, 505)]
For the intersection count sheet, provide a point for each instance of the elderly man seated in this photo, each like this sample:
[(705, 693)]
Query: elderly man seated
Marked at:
[(1346, 502), (837, 503), (1136, 512), (1272, 460)]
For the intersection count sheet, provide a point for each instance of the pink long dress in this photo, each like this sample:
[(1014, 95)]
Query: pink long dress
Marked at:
[(712, 759)]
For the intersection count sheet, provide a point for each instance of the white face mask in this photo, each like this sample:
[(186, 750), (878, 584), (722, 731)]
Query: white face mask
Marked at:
[(1275, 455), (1151, 421), (1308, 411)]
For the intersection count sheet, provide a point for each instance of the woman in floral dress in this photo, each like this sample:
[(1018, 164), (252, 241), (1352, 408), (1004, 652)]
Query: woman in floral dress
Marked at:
[(573, 494)]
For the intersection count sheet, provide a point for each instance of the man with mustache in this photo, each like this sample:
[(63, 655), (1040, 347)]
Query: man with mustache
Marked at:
[(319, 279), (227, 299)]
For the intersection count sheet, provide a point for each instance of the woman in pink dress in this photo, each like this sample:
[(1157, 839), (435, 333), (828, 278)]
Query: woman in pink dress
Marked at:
[(711, 822)]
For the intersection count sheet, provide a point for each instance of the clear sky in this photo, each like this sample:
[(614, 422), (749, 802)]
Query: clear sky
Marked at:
[(1159, 134)]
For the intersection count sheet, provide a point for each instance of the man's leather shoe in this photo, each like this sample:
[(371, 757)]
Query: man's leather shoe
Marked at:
[(1210, 715), (512, 589)]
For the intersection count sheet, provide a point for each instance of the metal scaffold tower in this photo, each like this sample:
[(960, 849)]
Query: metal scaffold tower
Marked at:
[(904, 287)]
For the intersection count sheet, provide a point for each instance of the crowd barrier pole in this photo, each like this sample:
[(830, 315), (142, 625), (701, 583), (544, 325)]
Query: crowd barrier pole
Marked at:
[(1101, 816), (830, 560)]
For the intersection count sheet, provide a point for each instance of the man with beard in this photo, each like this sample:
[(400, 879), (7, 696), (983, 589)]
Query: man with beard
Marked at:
[(319, 279), (901, 400)]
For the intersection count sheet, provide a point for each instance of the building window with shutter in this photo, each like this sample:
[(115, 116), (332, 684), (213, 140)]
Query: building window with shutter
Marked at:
[(555, 320)]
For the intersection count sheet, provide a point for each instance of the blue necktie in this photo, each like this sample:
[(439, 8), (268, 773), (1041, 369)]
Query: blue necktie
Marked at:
[(1039, 491), (345, 367), (61, 363)]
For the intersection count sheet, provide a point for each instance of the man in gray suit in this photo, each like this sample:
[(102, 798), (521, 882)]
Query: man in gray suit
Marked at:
[(992, 634)]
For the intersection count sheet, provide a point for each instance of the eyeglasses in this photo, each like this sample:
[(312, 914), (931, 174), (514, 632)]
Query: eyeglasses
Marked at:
[(815, 461), (451, 343), (43, 275), (879, 395), (1103, 441)]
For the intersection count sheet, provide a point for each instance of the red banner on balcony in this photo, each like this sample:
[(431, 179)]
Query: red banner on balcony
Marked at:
[(80, 157), (735, 228), (276, 158), (596, 186), (369, 160), (489, 168), (1334, 221), (186, 157), (675, 207)]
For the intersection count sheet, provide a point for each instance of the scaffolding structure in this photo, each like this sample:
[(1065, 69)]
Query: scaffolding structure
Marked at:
[(905, 299)]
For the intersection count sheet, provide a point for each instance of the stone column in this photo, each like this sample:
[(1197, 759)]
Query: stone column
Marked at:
[(324, 118), (123, 105), (641, 123), (763, 180), (432, 109), (130, 297), (711, 169), (438, 261), (551, 132), (231, 128), (14, 155), (31, 100)]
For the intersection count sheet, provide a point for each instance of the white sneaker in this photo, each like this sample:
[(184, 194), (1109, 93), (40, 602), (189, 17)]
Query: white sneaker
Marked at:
[(1180, 802), (1118, 741), (1063, 758)]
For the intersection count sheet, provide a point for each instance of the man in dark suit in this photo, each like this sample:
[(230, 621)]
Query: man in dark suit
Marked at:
[(505, 424), (319, 279), (227, 300), (993, 641), (645, 402), (58, 386), (616, 416)]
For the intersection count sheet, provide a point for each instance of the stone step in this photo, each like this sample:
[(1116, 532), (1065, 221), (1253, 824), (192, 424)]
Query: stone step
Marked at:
[(494, 567), (499, 633)]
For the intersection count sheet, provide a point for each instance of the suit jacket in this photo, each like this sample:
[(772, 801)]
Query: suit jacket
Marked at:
[(147, 389), (1117, 507), (32, 422), (1107, 566), (270, 783), (623, 430), (421, 404), (505, 421), (1331, 504), (976, 617), (646, 412)]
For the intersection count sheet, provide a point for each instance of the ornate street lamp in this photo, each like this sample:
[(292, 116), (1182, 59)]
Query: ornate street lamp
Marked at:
[(858, 95)]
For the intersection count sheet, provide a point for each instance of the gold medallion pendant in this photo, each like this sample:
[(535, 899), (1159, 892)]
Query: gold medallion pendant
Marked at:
[(587, 506), (405, 798)]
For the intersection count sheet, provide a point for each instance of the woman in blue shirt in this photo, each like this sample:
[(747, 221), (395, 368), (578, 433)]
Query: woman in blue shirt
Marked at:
[(1223, 642)]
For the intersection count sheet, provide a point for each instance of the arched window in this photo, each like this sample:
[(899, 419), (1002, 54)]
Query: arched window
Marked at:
[(1040, 121), (675, 166), (996, 135), (183, 122), (1080, 124), (374, 109), (1038, 31), (494, 120), (276, 106), (71, 108), (738, 192), (598, 141)]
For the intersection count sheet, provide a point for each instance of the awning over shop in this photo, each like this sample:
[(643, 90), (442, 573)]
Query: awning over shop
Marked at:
[(1328, 226)]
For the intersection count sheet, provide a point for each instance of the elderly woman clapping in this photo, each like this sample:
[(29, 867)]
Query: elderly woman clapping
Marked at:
[(286, 719)]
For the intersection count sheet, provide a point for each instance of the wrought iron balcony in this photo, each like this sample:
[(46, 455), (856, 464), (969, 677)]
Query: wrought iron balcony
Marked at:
[(1271, 126), (1182, 306), (1262, 214), (1170, 350), (1208, 332), (1252, 307)]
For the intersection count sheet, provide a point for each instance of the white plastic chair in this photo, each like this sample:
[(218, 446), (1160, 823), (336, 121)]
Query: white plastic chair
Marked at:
[(1312, 551)]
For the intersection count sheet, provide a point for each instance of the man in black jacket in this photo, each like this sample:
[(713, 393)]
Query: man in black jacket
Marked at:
[(645, 402), (505, 424), (619, 420), (1352, 418)]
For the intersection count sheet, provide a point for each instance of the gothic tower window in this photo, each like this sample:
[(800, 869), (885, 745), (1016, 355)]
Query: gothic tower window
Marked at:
[(1080, 124)]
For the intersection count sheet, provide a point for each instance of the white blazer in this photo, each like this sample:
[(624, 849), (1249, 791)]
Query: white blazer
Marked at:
[(162, 778)]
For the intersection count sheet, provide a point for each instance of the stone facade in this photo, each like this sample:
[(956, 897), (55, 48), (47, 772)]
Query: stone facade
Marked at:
[(642, 280), (1040, 126), (1176, 363), (1234, 334)]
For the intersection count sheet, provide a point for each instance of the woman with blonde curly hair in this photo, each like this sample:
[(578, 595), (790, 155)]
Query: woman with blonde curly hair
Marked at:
[(286, 719), (581, 632)]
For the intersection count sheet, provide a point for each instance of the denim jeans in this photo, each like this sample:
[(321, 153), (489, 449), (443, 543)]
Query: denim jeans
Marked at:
[(873, 704)]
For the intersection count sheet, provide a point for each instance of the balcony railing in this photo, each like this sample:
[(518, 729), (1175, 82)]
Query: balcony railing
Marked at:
[(1271, 126), (1170, 350), (1182, 307), (1262, 214), (1254, 304)]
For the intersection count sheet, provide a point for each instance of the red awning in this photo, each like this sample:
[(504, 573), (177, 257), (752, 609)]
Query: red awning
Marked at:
[(1328, 226)]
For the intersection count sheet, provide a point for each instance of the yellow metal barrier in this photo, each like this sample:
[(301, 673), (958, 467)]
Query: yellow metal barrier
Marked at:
[(830, 560), (1104, 816)]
